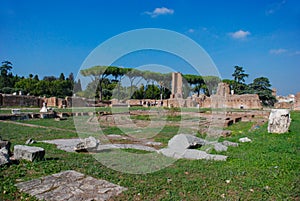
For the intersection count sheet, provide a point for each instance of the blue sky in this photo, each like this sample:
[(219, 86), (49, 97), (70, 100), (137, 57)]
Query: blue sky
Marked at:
[(50, 37)]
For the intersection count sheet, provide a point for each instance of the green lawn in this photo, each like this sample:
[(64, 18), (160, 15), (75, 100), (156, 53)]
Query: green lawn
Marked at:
[(265, 169)]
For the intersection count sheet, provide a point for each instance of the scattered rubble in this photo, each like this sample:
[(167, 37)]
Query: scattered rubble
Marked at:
[(245, 139), (181, 146), (4, 156), (87, 144), (28, 153)]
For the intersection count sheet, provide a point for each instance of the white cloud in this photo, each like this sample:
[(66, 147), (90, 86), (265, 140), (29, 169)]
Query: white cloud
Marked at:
[(191, 30), (160, 11), (277, 51), (275, 7), (297, 53), (240, 34)]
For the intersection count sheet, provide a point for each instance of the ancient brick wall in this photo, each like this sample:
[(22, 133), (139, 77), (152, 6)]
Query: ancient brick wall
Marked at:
[(8, 100), (134, 102), (51, 102), (245, 101), (79, 102), (176, 103), (55, 102), (297, 102), (223, 89), (61, 102), (284, 105)]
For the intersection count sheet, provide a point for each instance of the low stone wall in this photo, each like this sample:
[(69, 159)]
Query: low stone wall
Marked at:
[(8, 100)]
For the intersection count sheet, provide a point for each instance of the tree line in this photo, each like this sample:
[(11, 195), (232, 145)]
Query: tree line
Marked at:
[(106, 83), (32, 85)]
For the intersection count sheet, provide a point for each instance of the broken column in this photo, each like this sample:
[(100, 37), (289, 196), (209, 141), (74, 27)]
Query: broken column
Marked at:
[(279, 121)]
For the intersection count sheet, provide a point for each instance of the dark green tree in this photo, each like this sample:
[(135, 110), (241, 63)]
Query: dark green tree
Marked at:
[(261, 86), (6, 77), (36, 78), (196, 82), (5, 67), (61, 77), (77, 86), (239, 76), (50, 78), (139, 93)]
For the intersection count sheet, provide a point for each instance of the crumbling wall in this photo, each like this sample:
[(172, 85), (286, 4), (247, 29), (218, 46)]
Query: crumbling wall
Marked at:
[(51, 102), (55, 102), (297, 102), (283, 105), (8, 100), (245, 101)]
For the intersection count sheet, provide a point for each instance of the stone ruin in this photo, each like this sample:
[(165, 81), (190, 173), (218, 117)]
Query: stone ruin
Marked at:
[(176, 86), (9, 100), (70, 185), (224, 98), (297, 102), (279, 121)]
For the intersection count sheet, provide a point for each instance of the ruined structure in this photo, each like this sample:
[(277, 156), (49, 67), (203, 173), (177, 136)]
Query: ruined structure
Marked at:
[(224, 99), (297, 102), (279, 121), (55, 102), (7, 100), (176, 86), (285, 102)]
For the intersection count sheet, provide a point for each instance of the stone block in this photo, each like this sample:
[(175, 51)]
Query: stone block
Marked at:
[(70, 185), (245, 139), (185, 141), (279, 121), (4, 157), (230, 144), (6, 145), (88, 144), (220, 147), (216, 157), (28, 153)]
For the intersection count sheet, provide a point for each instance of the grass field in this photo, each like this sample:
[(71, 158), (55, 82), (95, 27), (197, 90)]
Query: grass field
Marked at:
[(265, 169)]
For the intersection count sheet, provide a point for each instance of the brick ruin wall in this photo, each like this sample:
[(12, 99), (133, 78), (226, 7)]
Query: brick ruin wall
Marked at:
[(248, 101), (55, 102), (7, 100), (297, 102), (284, 105), (245, 101)]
